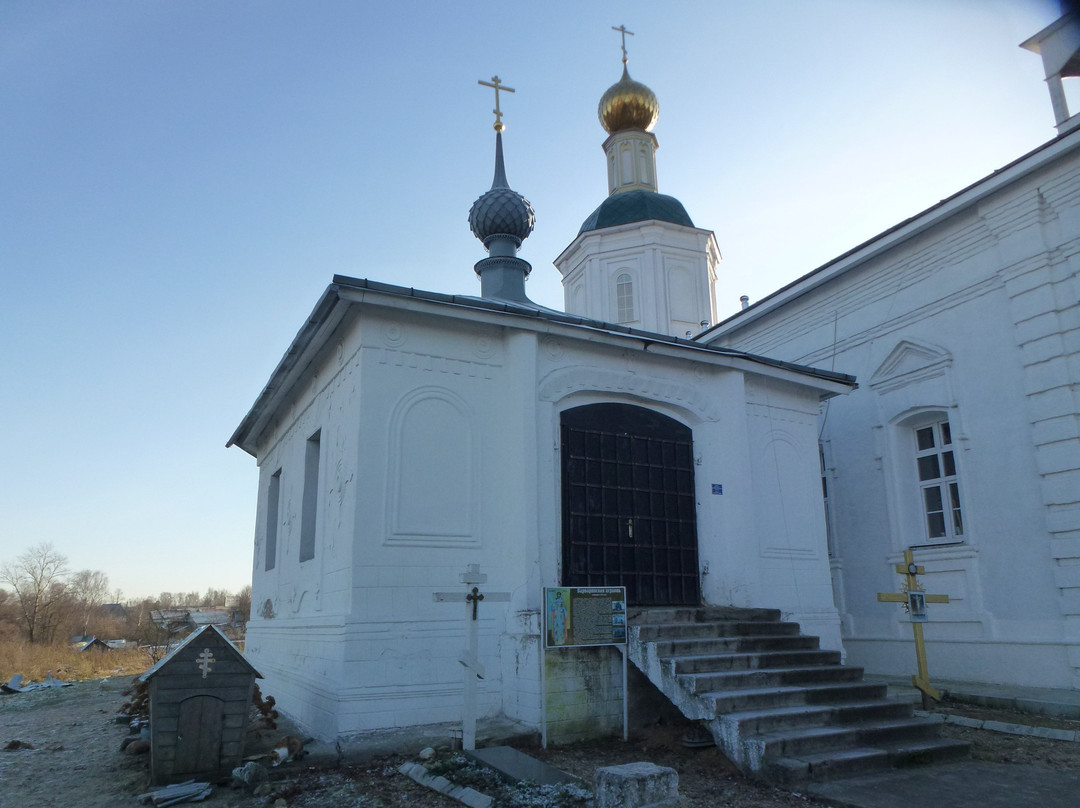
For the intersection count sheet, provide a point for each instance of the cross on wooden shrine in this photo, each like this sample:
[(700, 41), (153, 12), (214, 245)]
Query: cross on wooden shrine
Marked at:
[(205, 661), (622, 30), (469, 658), (913, 597), (496, 83)]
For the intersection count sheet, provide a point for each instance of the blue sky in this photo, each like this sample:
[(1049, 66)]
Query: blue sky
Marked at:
[(181, 180)]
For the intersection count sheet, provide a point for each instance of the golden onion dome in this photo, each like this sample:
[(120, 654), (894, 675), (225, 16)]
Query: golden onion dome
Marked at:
[(628, 104)]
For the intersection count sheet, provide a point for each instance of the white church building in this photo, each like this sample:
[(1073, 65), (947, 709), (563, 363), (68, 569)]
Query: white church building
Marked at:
[(406, 435), (962, 443)]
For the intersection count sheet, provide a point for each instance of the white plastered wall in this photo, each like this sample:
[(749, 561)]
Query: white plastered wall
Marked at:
[(673, 269), (975, 320), (356, 642)]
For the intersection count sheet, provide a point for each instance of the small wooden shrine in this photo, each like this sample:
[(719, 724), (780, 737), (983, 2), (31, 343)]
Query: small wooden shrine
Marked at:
[(200, 700)]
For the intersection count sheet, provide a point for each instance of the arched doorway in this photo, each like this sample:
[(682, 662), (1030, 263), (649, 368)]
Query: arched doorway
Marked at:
[(629, 513)]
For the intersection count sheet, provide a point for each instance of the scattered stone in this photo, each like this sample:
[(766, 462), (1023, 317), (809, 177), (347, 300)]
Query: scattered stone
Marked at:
[(263, 790), (427, 753), (137, 747), (698, 736), (181, 792), (463, 794), (280, 803), (251, 774), (17, 685), (634, 785)]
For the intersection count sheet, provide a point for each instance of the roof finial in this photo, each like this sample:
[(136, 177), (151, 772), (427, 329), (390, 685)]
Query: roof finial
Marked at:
[(622, 30), (497, 84)]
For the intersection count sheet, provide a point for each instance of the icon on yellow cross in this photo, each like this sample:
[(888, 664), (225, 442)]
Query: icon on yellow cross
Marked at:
[(915, 599)]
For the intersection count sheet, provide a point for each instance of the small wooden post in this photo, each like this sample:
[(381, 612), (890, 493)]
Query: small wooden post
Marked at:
[(913, 597)]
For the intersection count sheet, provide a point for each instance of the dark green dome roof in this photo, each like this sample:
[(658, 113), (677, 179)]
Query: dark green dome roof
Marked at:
[(636, 206)]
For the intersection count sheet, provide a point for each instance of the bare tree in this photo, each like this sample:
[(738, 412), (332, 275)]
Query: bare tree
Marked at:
[(38, 578), (89, 588), (214, 597), (243, 603), (9, 614)]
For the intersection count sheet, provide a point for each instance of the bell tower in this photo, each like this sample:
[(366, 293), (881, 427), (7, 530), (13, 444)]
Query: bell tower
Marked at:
[(1059, 46), (638, 260)]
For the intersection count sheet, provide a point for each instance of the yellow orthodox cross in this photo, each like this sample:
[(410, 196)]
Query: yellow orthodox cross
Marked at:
[(622, 30), (915, 599), (497, 84)]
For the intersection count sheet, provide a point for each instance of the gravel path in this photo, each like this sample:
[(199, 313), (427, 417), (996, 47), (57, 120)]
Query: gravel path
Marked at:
[(68, 755)]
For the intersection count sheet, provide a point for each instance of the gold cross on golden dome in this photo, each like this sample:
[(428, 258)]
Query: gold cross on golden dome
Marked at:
[(497, 84), (622, 30)]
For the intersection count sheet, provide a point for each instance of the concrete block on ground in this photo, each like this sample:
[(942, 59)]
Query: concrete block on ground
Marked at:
[(518, 767), (463, 794), (636, 785)]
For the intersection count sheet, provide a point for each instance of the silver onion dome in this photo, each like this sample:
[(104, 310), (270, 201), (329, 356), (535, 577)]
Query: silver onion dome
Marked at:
[(501, 211)]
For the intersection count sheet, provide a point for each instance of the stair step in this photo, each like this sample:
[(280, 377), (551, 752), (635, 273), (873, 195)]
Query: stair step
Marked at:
[(827, 765), (695, 646), (703, 614), (648, 632), (715, 663), (843, 762), (756, 722), (742, 699), (768, 677), (780, 704), (803, 741), (931, 750)]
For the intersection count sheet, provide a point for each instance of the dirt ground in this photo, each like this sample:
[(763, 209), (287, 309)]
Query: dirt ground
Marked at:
[(68, 755)]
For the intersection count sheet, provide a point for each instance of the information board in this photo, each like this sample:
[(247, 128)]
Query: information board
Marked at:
[(593, 615)]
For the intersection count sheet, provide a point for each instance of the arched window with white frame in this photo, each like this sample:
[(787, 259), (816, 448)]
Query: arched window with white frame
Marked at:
[(939, 484), (624, 298)]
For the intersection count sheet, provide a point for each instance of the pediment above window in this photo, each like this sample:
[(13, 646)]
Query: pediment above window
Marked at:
[(910, 362)]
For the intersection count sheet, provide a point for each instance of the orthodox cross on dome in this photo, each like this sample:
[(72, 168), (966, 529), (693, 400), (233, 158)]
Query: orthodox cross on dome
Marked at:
[(622, 30), (497, 84)]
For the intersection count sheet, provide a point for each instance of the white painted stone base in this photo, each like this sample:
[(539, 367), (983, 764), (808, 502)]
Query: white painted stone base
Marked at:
[(584, 693)]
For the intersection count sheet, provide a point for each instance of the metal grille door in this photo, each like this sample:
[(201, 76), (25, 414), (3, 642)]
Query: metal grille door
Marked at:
[(629, 514)]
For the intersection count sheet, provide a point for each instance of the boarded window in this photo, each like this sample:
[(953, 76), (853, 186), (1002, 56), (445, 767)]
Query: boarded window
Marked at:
[(273, 496), (311, 497)]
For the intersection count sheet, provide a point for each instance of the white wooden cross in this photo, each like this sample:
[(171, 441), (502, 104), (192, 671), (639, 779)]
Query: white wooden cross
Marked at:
[(469, 658), (205, 661)]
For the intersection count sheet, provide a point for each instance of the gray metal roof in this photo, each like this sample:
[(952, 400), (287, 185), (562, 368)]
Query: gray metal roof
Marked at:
[(909, 228), (324, 315), (165, 660)]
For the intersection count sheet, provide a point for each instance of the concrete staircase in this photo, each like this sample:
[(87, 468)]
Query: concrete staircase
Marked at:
[(776, 704)]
